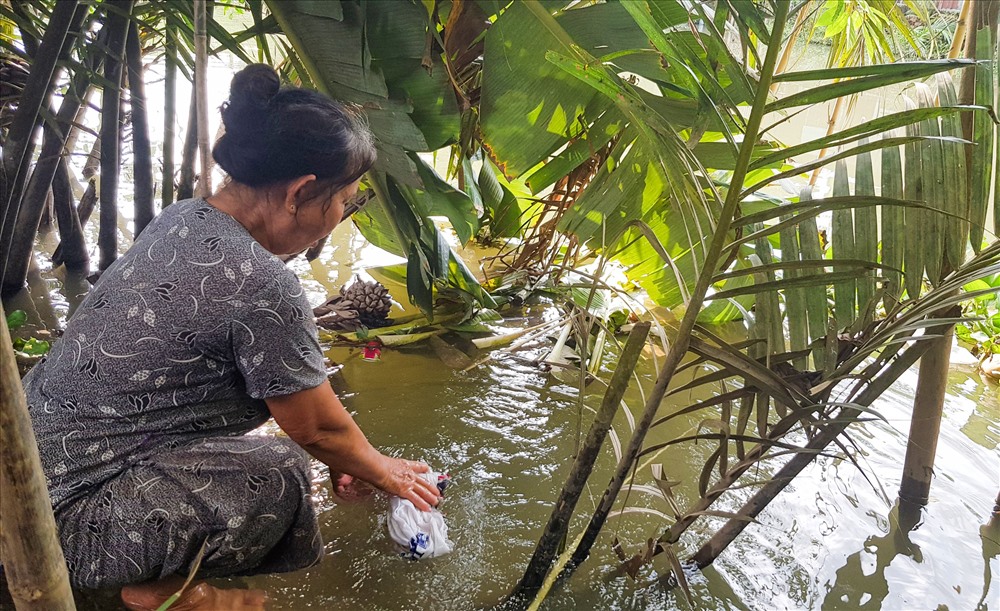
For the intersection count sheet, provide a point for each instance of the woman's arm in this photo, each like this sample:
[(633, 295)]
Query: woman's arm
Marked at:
[(316, 420)]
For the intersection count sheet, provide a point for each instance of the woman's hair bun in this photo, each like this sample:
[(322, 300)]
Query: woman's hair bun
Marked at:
[(274, 134), (249, 95)]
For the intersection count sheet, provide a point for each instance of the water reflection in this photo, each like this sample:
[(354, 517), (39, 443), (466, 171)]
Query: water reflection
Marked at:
[(861, 582), (990, 536)]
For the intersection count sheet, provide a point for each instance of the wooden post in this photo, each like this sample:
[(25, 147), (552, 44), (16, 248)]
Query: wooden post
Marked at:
[(29, 543), (169, 114), (925, 424), (555, 530), (201, 95)]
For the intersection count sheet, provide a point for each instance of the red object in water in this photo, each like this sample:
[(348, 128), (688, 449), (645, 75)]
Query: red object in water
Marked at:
[(373, 351)]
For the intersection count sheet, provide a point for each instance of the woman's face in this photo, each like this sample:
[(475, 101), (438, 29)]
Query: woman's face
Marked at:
[(313, 220)]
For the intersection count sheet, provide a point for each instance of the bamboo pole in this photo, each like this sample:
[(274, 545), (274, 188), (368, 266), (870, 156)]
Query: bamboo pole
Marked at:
[(117, 24), (838, 109), (786, 55), (201, 96), (558, 524), (958, 42), (141, 148), (29, 542), (169, 115), (925, 424)]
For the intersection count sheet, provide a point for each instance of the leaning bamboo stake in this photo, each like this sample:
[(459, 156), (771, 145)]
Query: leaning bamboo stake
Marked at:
[(958, 42), (29, 543), (786, 55), (838, 109), (201, 95), (555, 530)]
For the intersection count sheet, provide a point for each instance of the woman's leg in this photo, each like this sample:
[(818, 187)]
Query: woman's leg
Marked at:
[(246, 499)]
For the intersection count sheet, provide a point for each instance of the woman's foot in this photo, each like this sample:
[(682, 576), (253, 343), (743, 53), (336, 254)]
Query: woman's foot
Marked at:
[(350, 490), (198, 596)]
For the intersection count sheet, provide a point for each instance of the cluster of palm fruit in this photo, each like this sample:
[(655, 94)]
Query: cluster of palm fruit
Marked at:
[(362, 304)]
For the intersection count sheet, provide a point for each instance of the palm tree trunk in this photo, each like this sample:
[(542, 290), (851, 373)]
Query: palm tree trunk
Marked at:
[(19, 144), (117, 24), (29, 543), (169, 116), (201, 96), (185, 189), (141, 148)]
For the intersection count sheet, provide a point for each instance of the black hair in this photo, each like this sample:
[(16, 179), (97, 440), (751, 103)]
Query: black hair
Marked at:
[(275, 134)]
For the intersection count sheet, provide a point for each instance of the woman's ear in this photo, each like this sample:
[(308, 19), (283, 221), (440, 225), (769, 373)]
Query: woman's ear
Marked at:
[(296, 192)]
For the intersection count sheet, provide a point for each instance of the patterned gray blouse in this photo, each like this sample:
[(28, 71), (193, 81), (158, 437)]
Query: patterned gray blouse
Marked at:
[(182, 338)]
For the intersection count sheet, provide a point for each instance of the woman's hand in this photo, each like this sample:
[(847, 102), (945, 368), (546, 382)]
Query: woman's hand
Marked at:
[(402, 479), (316, 420)]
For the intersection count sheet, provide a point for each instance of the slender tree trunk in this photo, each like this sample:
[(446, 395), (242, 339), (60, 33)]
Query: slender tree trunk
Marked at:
[(141, 147), (185, 189), (169, 115), (29, 543), (19, 144), (88, 202), (562, 512), (50, 158), (45, 222), (117, 24), (72, 249), (201, 96)]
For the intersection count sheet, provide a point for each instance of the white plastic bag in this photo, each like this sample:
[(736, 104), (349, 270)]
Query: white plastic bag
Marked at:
[(422, 534)]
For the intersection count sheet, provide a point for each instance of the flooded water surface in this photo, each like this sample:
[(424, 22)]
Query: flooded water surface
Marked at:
[(507, 431)]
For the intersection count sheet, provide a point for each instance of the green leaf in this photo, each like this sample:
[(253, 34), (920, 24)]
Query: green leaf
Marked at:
[(31, 346), (877, 76), (16, 319), (529, 107)]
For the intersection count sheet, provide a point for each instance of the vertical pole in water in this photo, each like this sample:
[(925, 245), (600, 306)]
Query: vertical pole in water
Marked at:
[(29, 544), (201, 95), (117, 24), (925, 424)]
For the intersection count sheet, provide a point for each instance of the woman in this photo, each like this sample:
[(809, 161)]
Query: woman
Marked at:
[(195, 337)]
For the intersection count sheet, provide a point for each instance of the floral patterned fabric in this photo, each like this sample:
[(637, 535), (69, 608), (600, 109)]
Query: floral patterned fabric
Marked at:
[(140, 410)]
